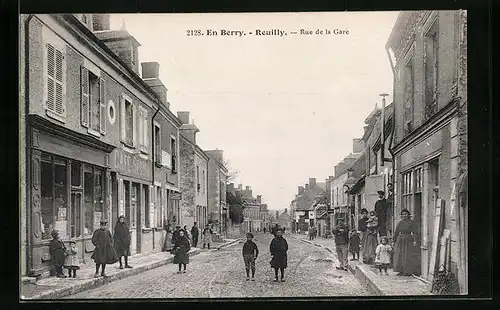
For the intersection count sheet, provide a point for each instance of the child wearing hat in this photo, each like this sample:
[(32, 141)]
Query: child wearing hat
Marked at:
[(250, 253), (354, 244), (104, 252), (57, 251), (72, 262)]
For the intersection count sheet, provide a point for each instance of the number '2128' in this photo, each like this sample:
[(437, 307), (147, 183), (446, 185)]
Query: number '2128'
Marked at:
[(196, 32)]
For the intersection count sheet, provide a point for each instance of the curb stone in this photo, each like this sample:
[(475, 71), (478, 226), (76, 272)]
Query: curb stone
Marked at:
[(97, 282)]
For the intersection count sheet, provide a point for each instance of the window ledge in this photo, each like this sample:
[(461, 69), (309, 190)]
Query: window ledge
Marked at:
[(57, 117), (158, 228), (146, 229), (130, 146), (94, 132)]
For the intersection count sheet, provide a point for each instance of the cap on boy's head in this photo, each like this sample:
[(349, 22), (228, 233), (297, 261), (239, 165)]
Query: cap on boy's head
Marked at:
[(72, 242), (364, 211), (104, 222), (381, 193), (384, 238), (54, 233), (249, 235)]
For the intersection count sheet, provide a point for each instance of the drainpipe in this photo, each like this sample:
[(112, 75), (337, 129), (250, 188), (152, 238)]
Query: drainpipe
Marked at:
[(28, 141), (153, 162), (393, 129)]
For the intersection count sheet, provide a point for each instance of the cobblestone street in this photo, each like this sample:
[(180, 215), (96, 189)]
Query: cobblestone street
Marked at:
[(221, 274)]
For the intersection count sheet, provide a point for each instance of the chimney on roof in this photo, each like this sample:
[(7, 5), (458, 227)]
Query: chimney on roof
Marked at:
[(187, 130), (307, 186), (312, 182), (301, 190), (277, 214), (259, 199), (216, 154), (151, 76), (100, 22), (286, 211)]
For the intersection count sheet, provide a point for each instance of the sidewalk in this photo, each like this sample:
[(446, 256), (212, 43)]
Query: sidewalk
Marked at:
[(55, 288), (368, 274)]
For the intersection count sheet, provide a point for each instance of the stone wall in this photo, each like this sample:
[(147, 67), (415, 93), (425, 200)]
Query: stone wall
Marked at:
[(187, 181)]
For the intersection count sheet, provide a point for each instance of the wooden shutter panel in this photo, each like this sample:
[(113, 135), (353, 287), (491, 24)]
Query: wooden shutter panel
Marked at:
[(85, 98), (102, 104), (59, 79), (145, 130), (134, 125), (123, 120), (50, 103)]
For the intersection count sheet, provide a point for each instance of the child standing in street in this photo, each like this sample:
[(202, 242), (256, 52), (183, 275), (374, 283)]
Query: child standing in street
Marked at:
[(383, 254), (250, 253), (57, 251), (354, 242), (72, 262)]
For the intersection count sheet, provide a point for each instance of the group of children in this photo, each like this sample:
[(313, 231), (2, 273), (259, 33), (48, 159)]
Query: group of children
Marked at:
[(383, 251)]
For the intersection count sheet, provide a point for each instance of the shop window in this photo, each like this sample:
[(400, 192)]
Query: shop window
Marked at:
[(60, 197), (159, 207), (406, 190), (133, 205), (76, 199), (47, 205), (126, 186), (98, 198), (147, 207), (76, 174)]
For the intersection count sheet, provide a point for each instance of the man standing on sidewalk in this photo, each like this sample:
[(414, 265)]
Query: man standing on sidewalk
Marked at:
[(194, 234), (341, 233), (381, 212)]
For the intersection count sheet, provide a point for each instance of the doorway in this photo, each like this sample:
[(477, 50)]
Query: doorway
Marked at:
[(135, 216), (417, 217)]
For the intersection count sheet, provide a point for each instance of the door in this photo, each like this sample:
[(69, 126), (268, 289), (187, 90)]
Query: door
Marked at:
[(135, 215), (114, 199), (417, 217)]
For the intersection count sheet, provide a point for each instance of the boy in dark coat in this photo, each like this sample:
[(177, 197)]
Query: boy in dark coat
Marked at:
[(181, 249), (278, 249), (57, 251), (354, 243), (122, 241), (250, 253), (194, 234), (104, 252)]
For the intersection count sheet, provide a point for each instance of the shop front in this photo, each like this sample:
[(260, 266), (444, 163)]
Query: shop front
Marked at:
[(69, 186)]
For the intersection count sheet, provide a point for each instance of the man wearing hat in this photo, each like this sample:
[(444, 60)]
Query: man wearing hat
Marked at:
[(381, 212), (104, 252), (250, 253)]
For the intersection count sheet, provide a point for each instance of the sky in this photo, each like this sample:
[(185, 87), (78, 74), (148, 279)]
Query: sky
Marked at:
[(283, 109)]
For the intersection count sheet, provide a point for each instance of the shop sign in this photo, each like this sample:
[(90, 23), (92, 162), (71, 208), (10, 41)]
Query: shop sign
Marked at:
[(131, 164)]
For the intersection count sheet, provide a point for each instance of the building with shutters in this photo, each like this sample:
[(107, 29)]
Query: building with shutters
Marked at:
[(194, 176), (303, 214), (429, 51), (98, 141)]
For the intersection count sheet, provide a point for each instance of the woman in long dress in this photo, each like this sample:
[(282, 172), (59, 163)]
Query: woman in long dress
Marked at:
[(167, 245), (405, 246), (278, 249), (181, 249), (371, 241)]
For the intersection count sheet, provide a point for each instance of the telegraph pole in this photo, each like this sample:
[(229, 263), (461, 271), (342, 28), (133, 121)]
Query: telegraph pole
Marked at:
[(382, 137)]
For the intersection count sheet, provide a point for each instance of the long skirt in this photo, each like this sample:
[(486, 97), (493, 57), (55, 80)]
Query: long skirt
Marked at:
[(369, 248), (405, 255), (167, 245)]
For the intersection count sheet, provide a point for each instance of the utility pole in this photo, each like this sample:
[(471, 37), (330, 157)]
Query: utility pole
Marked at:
[(382, 137)]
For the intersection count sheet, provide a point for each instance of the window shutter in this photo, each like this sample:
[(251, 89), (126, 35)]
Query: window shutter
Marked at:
[(102, 111), (145, 130), (85, 98), (59, 79), (140, 128), (123, 120), (50, 103), (134, 125)]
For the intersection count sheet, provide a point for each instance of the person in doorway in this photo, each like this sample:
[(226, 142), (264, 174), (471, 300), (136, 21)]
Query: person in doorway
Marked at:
[(371, 241), (181, 250), (405, 246), (383, 254), (121, 241), (278, 249), (381, 212), (57, 251), (341, 235), (264, 230), (354, 244), (207, 236), (104, 252), (194, 234), (72, 263), (175, 234), (250, 254)]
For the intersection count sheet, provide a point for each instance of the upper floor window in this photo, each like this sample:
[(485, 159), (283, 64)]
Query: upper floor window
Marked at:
[(55, 81), (157, 146), (198, 184), (93, 104), (128, 123), (409, 95), (173, 150), (431, 61), (143, 129), (203, 182)]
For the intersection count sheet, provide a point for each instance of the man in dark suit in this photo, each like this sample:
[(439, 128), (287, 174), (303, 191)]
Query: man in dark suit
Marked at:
[(381, 212)]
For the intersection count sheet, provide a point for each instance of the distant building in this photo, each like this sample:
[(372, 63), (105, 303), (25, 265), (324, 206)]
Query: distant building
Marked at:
[(304, 203), (217, 178)]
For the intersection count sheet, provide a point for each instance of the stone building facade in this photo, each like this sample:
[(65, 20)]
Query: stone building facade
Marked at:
[(193, 174), (217, 213), (430, 151), (89, 138)]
